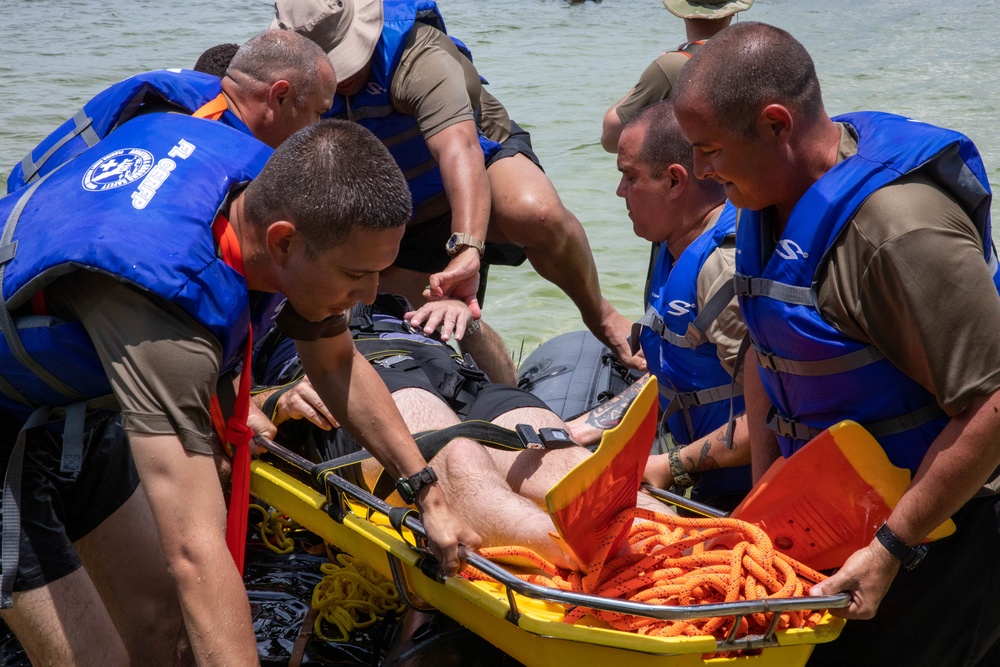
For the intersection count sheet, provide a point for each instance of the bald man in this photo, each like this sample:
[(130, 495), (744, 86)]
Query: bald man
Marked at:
[(276, 84)]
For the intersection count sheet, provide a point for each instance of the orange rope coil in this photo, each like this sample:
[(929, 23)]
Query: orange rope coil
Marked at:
[(667, 563)]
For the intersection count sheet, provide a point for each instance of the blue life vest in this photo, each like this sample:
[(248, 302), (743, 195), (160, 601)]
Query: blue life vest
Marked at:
[(814, 375), (372, 108), (695, 389), (139, 206), (183, 89)]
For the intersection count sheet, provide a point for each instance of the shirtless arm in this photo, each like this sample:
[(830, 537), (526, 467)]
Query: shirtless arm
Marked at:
[(359, 400), (612, 127), (213, 599), (463, 172)]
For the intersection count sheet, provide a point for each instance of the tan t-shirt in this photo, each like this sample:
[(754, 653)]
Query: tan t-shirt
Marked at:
[(907, 276), (162, 364), (728, 329), (654, 85), (439, 87)]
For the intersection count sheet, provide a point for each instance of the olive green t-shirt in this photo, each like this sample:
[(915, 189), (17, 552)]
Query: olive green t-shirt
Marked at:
[(162, 364), (439, 87), (654, 85), (907, 275)]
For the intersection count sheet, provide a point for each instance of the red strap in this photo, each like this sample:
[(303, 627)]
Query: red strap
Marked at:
[(38, 303), (238, 434), (234, 431)]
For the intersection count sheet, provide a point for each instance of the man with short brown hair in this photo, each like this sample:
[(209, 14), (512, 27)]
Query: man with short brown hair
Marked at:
[(156, 310), (867, 280)]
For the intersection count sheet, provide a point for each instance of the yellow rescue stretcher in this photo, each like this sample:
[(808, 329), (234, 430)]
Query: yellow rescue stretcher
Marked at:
[(524, 620)]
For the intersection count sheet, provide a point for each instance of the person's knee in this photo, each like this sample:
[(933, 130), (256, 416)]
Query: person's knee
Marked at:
[(533, 219), (545, 215)]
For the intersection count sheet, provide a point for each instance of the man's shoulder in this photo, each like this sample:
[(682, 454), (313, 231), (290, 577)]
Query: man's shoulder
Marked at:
[(912, 203), (671, 62), (426, 39)]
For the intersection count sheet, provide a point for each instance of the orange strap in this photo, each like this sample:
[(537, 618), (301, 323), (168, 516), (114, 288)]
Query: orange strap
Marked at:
[(683, 50), (213, 109), (234, 431)]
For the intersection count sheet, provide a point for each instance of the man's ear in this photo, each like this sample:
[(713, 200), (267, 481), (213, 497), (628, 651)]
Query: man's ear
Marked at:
[(279, 93), (677, 176), (279, 239), (775, 121)]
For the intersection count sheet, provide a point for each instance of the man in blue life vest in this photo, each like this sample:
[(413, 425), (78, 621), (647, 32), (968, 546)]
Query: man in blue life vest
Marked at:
[(136, 293), (276, 83), (480, 196), (702, 20), (867, 280), (688, 217)]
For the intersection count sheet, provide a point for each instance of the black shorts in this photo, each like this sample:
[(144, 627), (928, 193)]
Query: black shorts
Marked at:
[(466, 390), (422, 247), (59, 508)]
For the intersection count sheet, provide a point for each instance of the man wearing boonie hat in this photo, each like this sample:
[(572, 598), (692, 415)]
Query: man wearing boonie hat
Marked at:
[(702, 20), (480, 196)]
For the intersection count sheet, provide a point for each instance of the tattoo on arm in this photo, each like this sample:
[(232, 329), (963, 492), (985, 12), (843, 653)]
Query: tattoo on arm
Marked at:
[(609, 414), (705, 461)]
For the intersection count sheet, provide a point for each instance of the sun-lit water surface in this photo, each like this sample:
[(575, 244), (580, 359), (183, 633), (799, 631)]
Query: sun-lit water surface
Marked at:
[(557, 67)]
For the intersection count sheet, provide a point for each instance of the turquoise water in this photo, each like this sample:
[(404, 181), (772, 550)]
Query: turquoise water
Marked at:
[(557, 67)]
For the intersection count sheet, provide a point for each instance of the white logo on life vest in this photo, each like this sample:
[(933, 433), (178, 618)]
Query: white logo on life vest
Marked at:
[(121, 167), (789, 249), (678, 307), (374, 88), (160, 173)]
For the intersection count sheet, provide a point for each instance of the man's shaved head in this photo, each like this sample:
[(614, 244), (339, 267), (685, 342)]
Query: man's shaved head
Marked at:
[(274, 55), (745, 68)]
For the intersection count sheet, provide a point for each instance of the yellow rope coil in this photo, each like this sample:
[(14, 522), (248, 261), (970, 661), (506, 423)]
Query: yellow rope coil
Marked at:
[(273, 530), (352, 595)]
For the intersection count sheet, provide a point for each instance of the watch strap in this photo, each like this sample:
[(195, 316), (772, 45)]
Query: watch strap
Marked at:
[(909, 556), (683, 479), (461, 240), (409, 487)]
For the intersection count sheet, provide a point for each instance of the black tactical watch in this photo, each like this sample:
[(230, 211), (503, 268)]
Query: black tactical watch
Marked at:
[(408, 487), (909, 556)]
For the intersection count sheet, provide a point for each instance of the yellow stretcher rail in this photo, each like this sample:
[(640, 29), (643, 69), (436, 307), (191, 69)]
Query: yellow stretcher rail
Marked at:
[(523, 620)]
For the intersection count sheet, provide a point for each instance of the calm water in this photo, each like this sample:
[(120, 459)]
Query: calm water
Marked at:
[(557, 67)]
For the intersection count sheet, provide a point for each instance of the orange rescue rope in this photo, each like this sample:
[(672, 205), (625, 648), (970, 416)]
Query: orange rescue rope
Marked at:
[(666, 563)]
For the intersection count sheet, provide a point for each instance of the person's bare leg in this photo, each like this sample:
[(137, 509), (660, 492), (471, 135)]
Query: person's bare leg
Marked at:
[(526, 211), (471, 483), (532, 472), (137, 590), (65, 623)]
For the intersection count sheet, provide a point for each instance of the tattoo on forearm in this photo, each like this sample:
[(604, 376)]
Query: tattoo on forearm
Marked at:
[(705, 460), (609, 414)]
